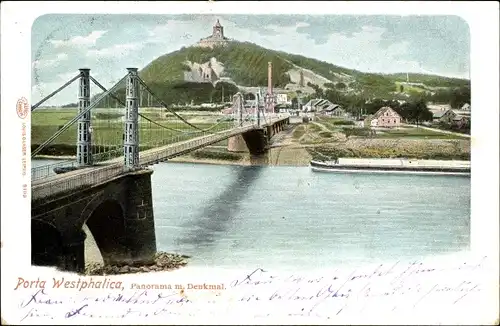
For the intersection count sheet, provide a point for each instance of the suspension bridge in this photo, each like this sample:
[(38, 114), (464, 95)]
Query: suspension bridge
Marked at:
[(108, 185)]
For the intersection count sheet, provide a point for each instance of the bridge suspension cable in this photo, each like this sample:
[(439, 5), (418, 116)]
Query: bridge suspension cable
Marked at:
[(140, 114), (33, 107), (72, 121), (166, 107)]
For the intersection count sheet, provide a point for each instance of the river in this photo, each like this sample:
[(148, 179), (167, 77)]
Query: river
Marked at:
[(248, 216)]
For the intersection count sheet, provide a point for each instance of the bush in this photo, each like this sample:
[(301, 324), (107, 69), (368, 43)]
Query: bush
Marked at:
[(356, 132), (343, 122), (205, 154), (319, 153), (325, 134)]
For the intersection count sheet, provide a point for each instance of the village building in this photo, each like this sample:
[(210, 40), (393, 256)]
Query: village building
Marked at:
[(438, 107), (335, 110), (464, 113), (460, 121), (384, 117), (316, 105), (438, 114), (448, 116)]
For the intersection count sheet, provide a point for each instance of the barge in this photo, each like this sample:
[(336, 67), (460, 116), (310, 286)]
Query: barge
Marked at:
[(404, 166)]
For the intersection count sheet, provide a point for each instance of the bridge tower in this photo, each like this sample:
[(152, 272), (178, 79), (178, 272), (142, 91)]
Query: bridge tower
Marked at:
[(237, 143), (131, 134), (258, 106), (238, 106), (84, 140)]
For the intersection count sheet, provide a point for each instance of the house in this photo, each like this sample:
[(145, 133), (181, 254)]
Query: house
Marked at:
[(460, 121), (282, 98), (466, 107), (335, 110), (437, 107), (384, 117), (464, 113), (282, 108), (437, 114), (448, 116), (316, 105)]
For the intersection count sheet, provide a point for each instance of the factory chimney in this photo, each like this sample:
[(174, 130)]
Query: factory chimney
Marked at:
[(269, 77)]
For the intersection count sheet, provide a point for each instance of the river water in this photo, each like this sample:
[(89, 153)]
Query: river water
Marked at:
[(249, 216)]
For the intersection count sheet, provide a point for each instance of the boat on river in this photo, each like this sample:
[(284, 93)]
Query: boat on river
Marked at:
[(392, 166)]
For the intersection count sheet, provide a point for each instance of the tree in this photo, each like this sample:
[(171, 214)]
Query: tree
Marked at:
[(333, 96), (418, 112), (401, 88), (340, 85)]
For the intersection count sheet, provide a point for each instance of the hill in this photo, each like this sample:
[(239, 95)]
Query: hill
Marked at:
[(171, 75)]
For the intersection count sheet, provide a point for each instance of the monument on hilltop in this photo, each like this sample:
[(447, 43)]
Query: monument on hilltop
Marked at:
[(216, 39)]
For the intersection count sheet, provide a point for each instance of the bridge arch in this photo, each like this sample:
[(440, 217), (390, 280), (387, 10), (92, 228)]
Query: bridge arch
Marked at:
[(106, 224), (46, 244)]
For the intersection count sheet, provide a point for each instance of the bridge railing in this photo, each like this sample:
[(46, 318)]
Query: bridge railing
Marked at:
[(169, 151), (95, 175), (73, 181), (45, 171)]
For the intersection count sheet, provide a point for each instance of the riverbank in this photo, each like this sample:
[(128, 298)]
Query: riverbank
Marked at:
[(300, 144), (301, 155), (189, 159), (163, 261)]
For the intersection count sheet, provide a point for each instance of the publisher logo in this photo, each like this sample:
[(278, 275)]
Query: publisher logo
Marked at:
[(22, 108)]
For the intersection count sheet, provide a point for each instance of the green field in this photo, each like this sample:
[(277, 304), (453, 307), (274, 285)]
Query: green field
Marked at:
[(108, 129), (324, 152), (334, 124), (414, 133), (409, 88)]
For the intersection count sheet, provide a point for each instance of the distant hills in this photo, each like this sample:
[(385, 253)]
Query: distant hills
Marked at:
[(243, 64)]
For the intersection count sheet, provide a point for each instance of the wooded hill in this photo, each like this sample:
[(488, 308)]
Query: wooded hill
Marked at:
[(246, 64)]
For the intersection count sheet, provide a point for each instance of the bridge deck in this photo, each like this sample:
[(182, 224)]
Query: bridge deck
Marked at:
[(104, 171)]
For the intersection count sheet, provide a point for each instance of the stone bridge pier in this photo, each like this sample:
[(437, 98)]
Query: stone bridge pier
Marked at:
[(118, 213), (256, 141)]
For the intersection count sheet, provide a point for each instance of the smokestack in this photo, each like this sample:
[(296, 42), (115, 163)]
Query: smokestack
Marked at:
[(269, 77)]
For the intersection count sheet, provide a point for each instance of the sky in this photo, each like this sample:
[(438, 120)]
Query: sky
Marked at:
[(108, 44)]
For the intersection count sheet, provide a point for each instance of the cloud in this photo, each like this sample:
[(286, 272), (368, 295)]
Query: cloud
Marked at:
[(363, 50), (79, 41), (177, 32), (364, 43), (114, 50), (49, 62), (41, 89), (64, 77)]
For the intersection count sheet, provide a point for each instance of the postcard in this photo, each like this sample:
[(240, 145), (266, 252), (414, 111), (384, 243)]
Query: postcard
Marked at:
[(249, 163)]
